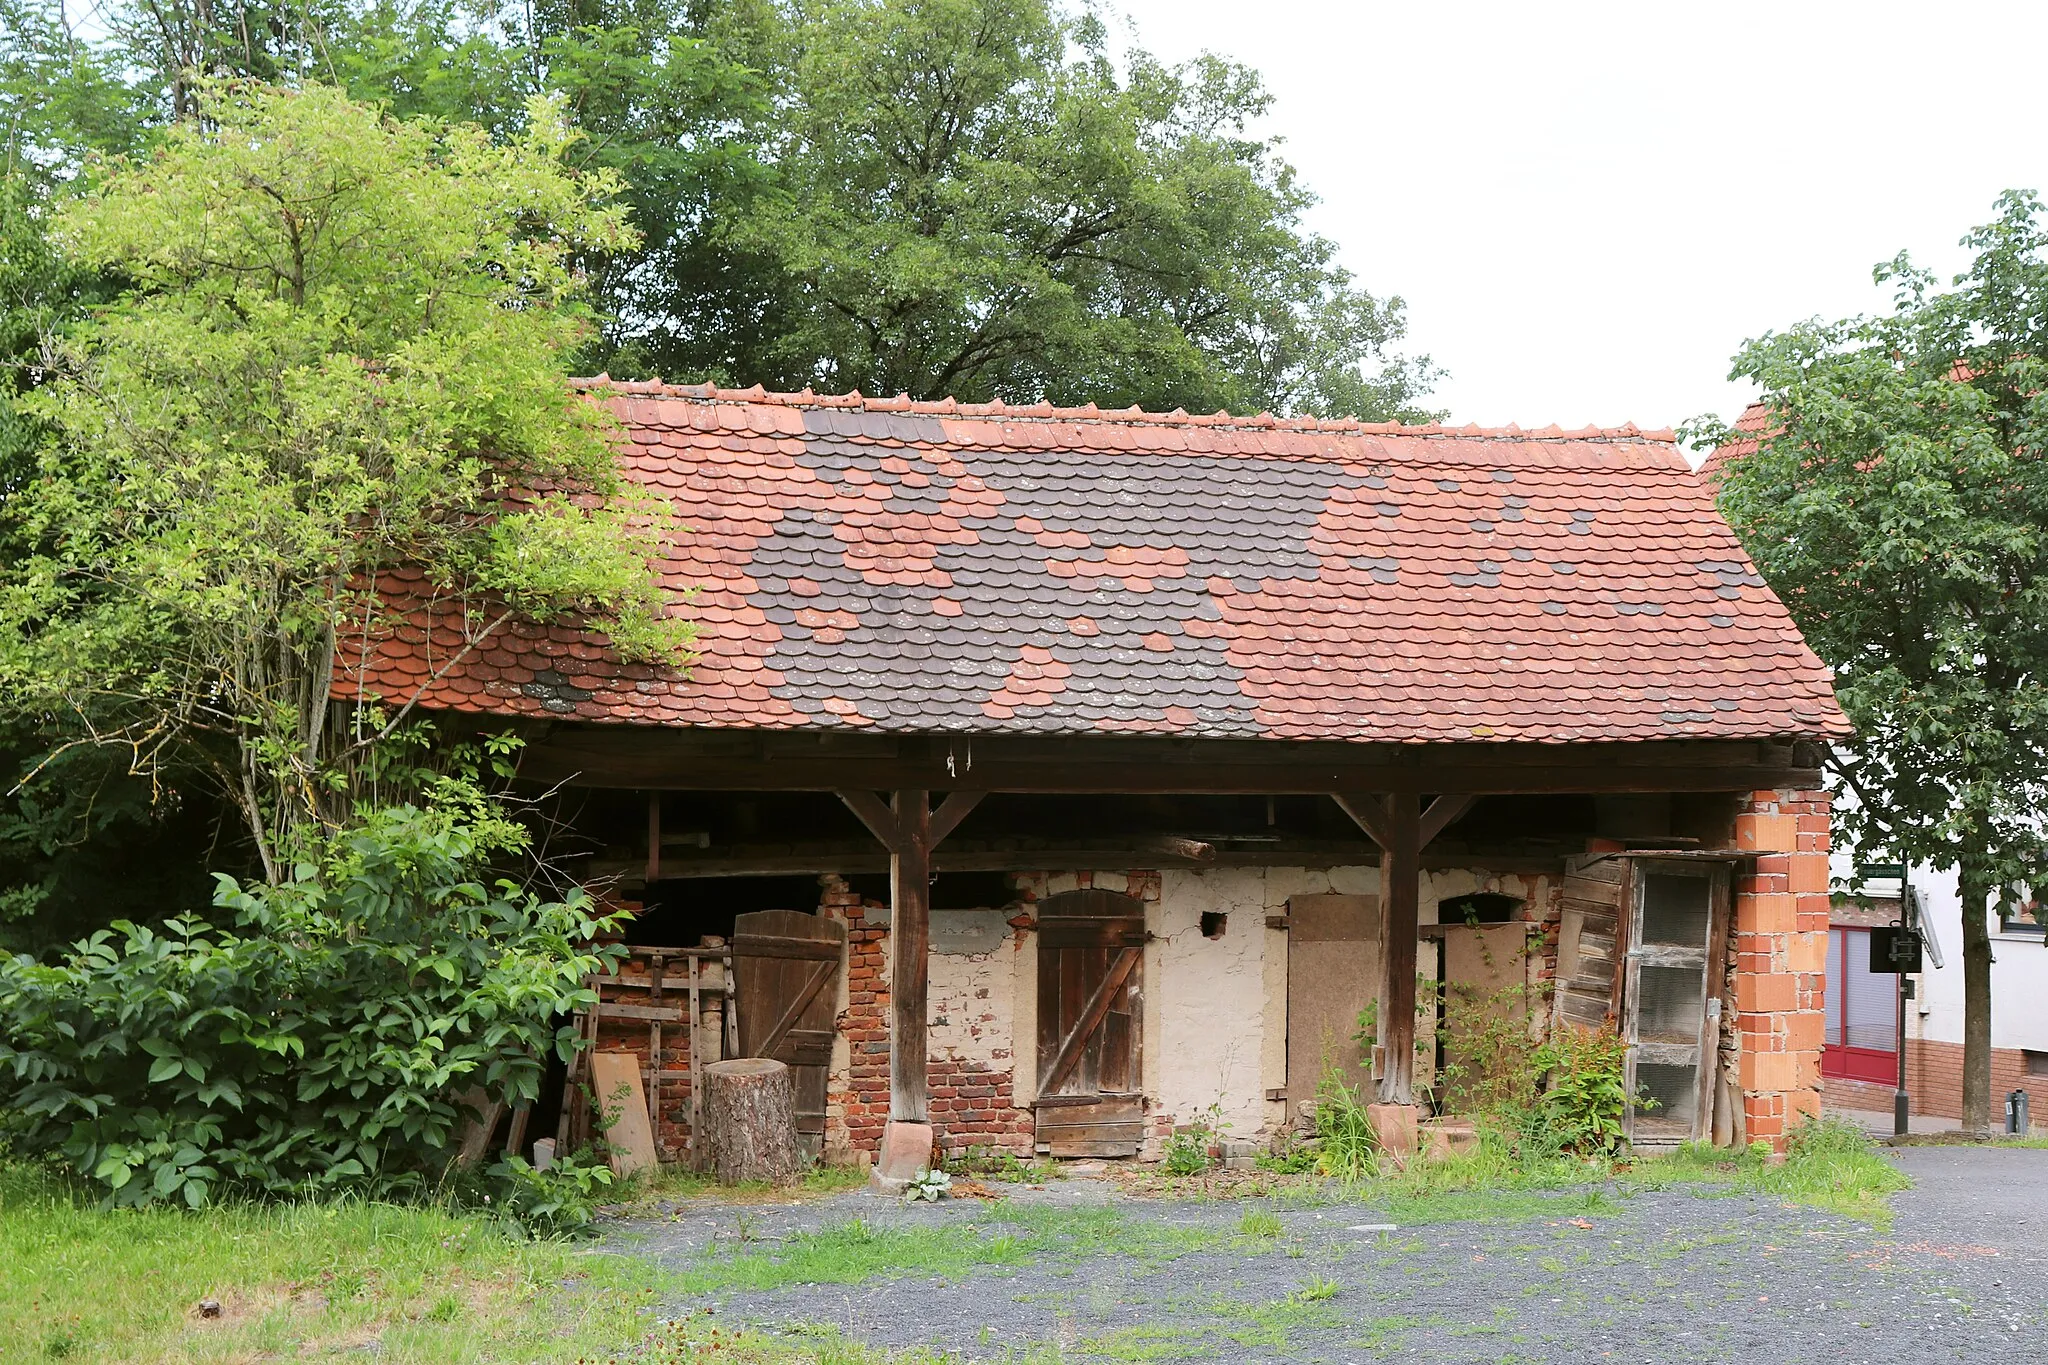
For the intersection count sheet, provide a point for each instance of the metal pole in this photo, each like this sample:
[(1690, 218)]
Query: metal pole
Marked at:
[(1901, 1105)]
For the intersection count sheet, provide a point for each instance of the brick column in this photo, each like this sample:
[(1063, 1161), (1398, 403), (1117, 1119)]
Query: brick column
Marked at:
[(1781, 945)]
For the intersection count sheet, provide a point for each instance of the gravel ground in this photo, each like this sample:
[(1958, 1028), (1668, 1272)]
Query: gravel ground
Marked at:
[(1678, 1275)]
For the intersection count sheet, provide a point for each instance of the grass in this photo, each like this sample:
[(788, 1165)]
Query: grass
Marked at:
[(673, 1185), (857, 1250), (1831, 1166), (417, 1284)]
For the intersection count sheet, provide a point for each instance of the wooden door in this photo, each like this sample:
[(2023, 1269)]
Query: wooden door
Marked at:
[(1091, 951), (1333, 973), (1672, 1005), (786, 969)]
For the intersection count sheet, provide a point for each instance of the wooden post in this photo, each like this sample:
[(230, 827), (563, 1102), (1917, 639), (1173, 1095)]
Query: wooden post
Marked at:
[(1401, 828), (910, 934), (1400, 897), (910, 829)]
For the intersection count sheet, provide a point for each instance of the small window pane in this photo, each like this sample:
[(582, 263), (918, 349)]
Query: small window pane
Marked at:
[(1675, 910), (1834, 990), (1674, 1092), (1673, 999)]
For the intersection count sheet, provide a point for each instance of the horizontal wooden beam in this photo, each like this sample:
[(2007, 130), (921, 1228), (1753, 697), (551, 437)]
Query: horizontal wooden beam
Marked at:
[(654, 758), (785, 860)]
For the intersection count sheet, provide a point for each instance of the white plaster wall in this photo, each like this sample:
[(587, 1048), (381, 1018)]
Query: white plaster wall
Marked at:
[(974, 1007), (2019, 971), (971, 1004), (1211, 996)]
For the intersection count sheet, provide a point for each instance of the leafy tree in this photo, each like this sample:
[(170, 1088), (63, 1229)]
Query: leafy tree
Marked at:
[(964, 197), (1899, 506), (341, 354), (967, 198)]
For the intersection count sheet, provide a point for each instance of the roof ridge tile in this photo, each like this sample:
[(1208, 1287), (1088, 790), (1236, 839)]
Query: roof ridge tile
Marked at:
[(1045, 410)]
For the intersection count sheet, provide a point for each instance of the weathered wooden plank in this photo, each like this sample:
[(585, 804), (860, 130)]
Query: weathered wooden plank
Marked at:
[(615, 1076), (1400, 898)]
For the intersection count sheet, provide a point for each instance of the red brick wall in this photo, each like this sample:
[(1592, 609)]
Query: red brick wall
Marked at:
[(971, 1103), (1934, 1084), (1780, 976)]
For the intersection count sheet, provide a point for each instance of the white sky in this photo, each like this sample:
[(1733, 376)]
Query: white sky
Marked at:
[(1589, 207)]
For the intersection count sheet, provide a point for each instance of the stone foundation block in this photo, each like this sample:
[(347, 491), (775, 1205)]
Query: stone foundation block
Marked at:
[(1394, 1125), (906, 1153)]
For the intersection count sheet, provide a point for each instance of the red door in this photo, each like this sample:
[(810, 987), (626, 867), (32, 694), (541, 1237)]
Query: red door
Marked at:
[(1863, 1022)]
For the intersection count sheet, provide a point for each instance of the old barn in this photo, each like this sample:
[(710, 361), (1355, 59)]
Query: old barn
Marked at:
[(1050, 777)]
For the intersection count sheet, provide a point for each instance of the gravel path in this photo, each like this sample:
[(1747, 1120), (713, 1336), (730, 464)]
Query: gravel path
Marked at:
[(1680, 1275)]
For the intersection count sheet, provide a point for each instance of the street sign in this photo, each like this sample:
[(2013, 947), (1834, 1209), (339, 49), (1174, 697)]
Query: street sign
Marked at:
[(1894, 950)]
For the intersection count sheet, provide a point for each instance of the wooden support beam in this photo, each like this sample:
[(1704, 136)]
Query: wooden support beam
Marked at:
[(873, 813), (680, 758), (910, 829), (1441, 814), (910, 930), (1367, 813), (951, 812), (1400, 896)]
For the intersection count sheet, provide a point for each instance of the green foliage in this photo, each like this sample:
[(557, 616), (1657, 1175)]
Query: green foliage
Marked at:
[(322, 1043), (972, 198), (1187, 1149), (1899, 507), (1347, 1146), (964, 197), (1005, 1167), (1259, 1223), (341, 353), (560, 1201), (928, 1186), (1585, 1095)]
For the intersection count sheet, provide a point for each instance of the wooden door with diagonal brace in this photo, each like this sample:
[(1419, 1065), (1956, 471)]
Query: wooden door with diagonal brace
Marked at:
[(786, 965), (1091, 949)]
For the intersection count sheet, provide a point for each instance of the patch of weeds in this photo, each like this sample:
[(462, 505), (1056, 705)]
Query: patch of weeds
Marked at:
[(644, 1194), (1187, 1148), (1315, 1290), (1150, 1341), (983, 1163), (1259, 1223), (1828, 1165)]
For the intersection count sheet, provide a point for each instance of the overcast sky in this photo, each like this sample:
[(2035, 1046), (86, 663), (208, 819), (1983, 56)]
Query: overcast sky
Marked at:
[(1589, 207)]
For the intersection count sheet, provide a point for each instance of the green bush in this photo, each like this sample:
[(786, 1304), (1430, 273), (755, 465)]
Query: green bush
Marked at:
[(1348, 1146), (320, 1044), (1585, 1094)]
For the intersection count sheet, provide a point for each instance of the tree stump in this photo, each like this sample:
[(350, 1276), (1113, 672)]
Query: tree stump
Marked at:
[(749, 1120)]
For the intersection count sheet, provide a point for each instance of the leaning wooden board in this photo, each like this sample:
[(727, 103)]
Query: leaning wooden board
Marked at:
[(630, 1137)]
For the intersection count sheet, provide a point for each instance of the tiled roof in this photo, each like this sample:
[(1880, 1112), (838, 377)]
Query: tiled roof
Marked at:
[(1747, 431), (900, 566)]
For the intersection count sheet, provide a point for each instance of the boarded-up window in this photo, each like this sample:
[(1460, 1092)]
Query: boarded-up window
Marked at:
[(1589, 934), (1333, 973)]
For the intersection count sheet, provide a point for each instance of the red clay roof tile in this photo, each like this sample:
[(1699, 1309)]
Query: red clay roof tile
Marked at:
[(941, 566)]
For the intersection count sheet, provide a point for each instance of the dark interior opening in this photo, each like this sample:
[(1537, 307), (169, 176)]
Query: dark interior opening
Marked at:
[(1214, 922), (1481, 907), (678, 913)]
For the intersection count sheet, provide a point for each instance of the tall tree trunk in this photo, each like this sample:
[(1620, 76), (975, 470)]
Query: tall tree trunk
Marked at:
[(1976, 895)]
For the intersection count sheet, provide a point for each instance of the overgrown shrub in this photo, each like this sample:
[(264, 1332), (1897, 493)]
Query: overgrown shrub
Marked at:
[(1346, 1149), (1585, 1093), (323, 1043)]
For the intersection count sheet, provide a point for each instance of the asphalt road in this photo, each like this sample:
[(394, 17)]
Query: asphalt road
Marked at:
[(1683, 1275)]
